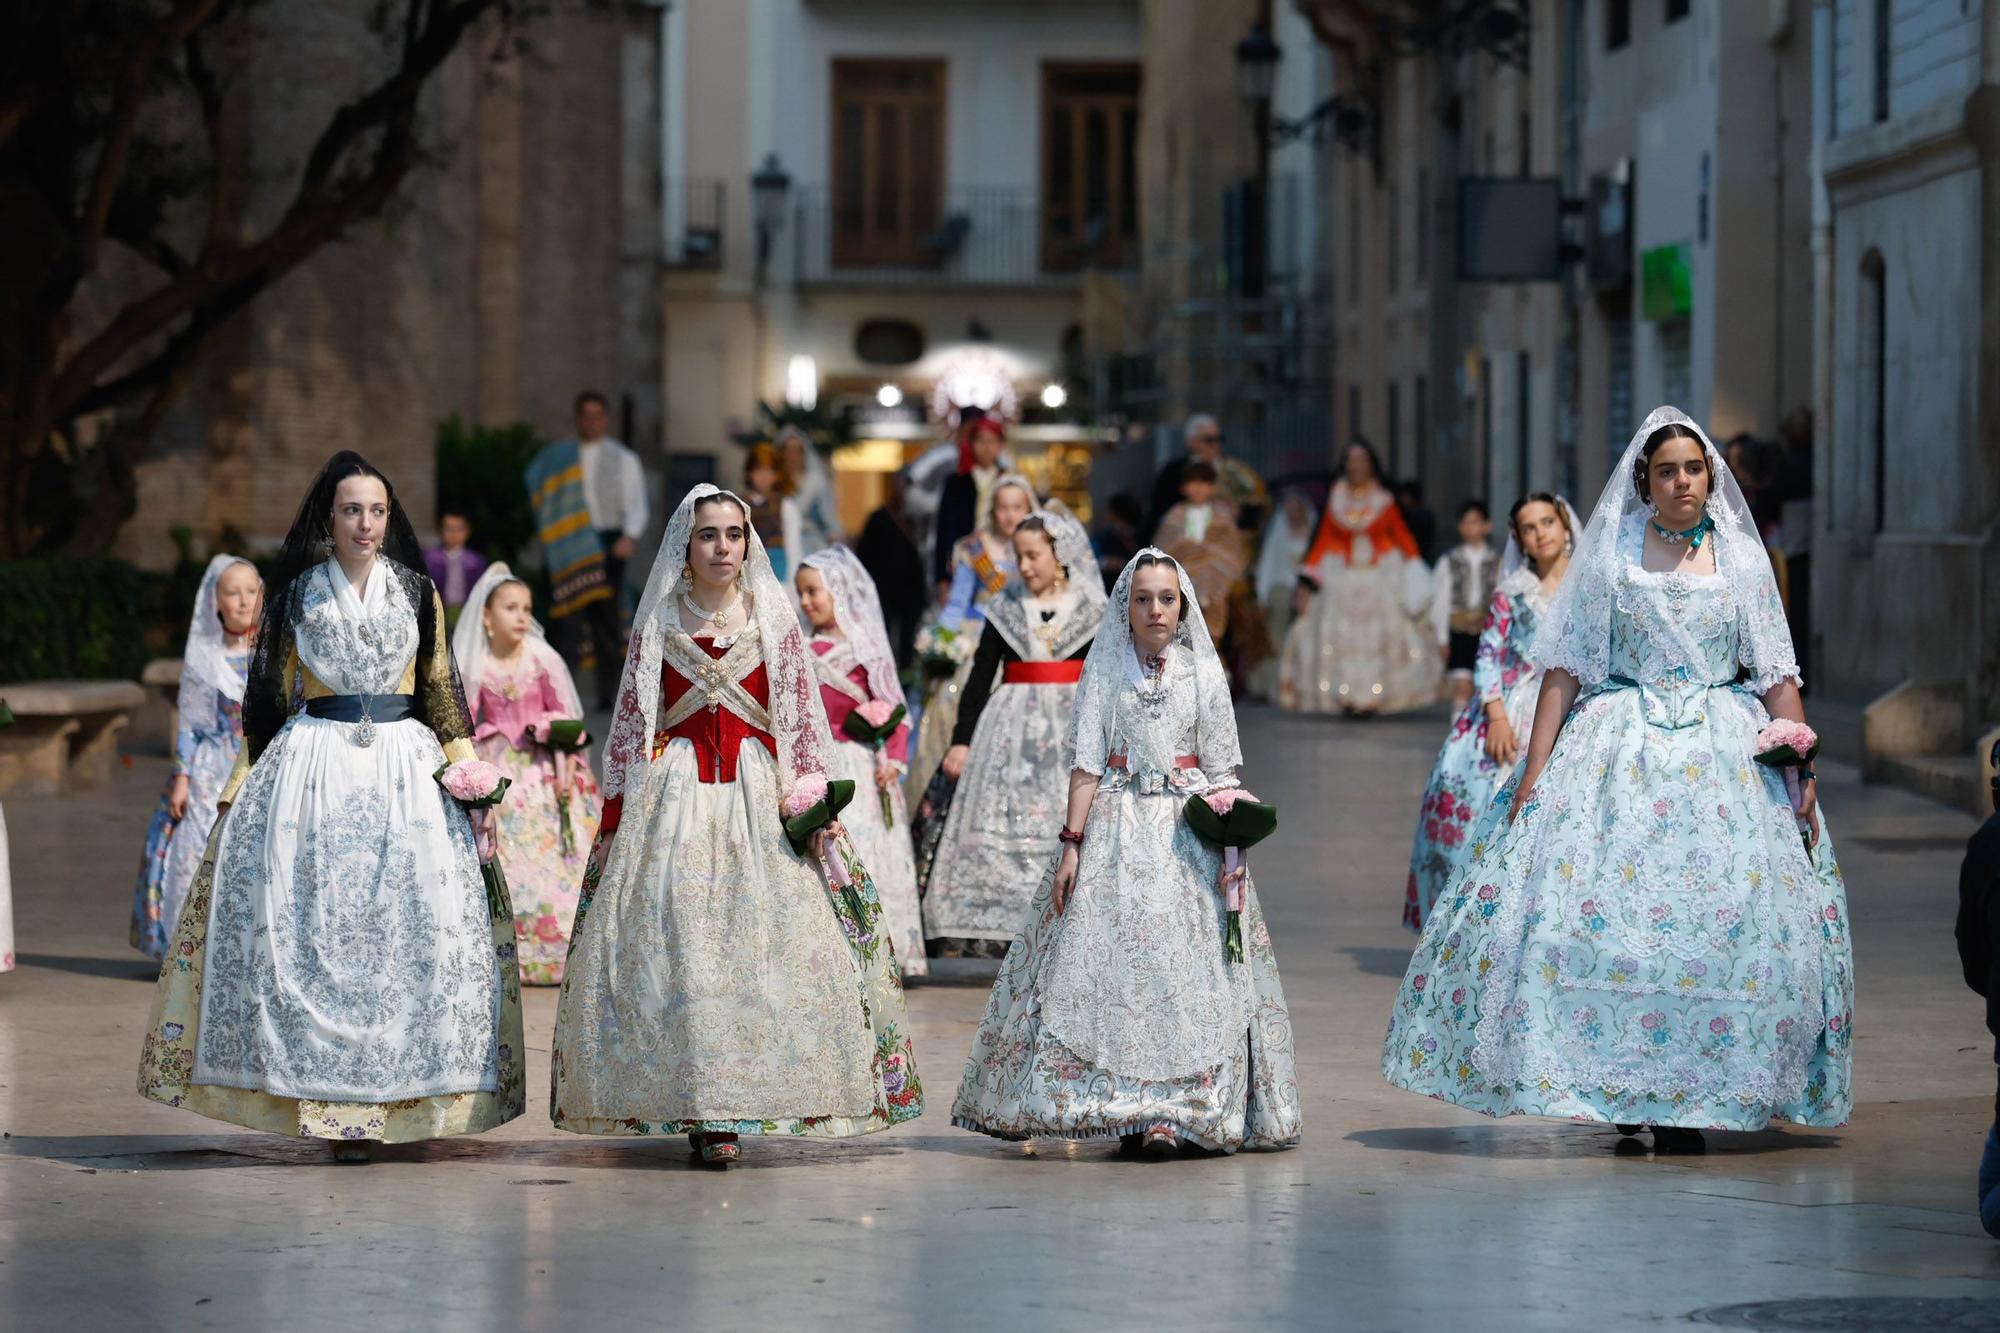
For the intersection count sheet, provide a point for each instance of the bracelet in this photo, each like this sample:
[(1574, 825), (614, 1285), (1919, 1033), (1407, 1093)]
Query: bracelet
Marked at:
[(1807, 775), (1070, 836)]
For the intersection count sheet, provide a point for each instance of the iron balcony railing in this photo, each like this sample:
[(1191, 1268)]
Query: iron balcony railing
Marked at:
[(966, 237), (697, 221)]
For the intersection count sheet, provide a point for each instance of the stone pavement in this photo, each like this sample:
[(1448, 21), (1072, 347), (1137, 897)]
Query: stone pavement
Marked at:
[(1396, 1213)]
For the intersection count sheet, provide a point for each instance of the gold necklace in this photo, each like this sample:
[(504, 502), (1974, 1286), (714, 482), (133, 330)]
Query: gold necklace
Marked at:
[(718, 617)]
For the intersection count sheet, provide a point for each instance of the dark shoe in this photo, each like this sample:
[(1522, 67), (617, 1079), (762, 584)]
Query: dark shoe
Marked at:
[(351, 1152), (1673, 1140), (1627, 1130), (717, 1150), (1160, 1141)]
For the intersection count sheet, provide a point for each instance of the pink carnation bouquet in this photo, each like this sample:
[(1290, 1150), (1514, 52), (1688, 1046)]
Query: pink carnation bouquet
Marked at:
[(477, 785), (1789, 746), (811, 804), (872, 724)]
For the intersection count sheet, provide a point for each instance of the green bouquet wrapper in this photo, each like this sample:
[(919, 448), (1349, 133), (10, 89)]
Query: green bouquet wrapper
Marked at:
[(1247, 824), (799, 829), (568, 734), (861, 732)]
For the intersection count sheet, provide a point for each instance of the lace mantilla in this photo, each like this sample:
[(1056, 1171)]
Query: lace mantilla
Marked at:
[(798, 721), (1576, 634)]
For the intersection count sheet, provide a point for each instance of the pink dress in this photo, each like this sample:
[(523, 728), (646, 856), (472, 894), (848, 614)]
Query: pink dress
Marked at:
[(884, 845), (545, 825)]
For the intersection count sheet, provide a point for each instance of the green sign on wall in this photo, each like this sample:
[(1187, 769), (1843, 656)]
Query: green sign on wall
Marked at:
[(1666, 283)]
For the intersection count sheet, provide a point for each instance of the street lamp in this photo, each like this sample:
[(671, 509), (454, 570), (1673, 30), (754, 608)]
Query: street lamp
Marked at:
[(769, 187), (1257, 59)]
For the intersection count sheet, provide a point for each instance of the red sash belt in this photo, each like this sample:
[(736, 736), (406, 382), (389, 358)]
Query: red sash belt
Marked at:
[(1042, 673), (1180, 761)]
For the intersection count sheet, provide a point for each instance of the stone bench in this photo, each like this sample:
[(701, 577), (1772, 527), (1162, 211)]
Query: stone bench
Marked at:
[(65, 733)]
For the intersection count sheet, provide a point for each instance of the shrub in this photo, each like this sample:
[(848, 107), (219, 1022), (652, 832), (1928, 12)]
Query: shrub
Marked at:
[(95, 618)]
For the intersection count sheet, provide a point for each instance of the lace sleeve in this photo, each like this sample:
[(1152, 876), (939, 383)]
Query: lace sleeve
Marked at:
[(1764, 638), (1489, 667), (440, 700)]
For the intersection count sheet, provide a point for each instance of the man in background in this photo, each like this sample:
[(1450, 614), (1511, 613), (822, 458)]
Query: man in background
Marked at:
[(589, 497)]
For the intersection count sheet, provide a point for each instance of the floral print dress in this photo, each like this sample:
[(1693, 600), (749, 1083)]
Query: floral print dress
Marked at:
[(1465, 777), (209, 734), (544, 828), (1649, 941)]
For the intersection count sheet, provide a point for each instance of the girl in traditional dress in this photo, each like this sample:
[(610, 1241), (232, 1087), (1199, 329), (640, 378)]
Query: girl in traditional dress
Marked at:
[(1118, 1011), (980, 567), (1006, 749), (716, 985), (1659, 937), (857, 671), (336, 972), (812, 490), (519, 687), (206, 740), (1490, 731), (1354, 646)]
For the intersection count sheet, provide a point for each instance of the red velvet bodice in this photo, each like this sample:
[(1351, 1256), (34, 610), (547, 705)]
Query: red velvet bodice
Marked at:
[(715, 732)]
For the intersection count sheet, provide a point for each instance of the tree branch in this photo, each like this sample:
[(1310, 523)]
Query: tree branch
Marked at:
[(321, 209), (188, 15), (208, 91)]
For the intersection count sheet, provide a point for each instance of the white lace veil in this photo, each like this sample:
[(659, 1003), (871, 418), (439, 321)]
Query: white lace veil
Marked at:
[(205, 663), (1511, 559), (858, 610), (1008, 613), (798, 723), (1112, 664), (469, 644), (1576, 633)]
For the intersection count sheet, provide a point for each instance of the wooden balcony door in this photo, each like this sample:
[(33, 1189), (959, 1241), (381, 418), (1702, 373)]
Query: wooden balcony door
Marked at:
[(888, 160), (1090, 179)]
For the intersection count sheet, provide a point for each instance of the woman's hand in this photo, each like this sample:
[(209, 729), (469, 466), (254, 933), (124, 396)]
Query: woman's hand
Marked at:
[(1225, 876), (822, 843), (1065, 878), (540, 731), (1503, 747), (1301, 599), (954, 761), (177, 797), (482, 832), (1808, 808), (885, 772)]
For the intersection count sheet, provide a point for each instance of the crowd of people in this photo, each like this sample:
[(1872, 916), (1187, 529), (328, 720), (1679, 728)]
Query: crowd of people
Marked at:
[(387, 813)]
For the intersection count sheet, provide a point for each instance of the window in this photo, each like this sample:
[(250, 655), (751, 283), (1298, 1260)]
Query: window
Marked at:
[(1875, 363), (1090, 172), (1677, 9), (1395, 235), (1353, 238), (1420, 401), (1423, 228), (1524, 417), (1883, 10), (888, 159), (1395, 428), (1617, 24)]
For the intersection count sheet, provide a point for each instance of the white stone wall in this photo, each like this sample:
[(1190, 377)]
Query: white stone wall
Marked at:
[(1933, 56)]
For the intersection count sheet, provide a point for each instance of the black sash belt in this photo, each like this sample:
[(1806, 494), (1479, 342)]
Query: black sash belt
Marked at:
[(349, 707)]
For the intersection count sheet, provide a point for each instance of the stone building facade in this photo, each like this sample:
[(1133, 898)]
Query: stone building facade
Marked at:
[(1907, 548), (519, 267)]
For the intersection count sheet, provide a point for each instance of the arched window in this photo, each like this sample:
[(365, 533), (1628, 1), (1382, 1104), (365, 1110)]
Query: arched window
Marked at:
[(1874, 413)]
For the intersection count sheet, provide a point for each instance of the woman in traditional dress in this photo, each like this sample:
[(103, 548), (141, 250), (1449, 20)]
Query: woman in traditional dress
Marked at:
[(980, 568), (1354, 646), (208, 734), (857, 670), (337, 972), (1659, 936), (1006, 751), (768, 487), (812, 490), (717, 986), (1118, 1011), (519, 687), (1490, 731)]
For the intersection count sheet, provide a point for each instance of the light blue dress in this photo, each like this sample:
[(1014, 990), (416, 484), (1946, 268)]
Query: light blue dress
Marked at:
[(1649, 942), (205, 747), (1465, 777)]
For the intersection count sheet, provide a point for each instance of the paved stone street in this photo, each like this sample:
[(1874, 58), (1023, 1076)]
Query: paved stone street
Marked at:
[(1396, 1212)]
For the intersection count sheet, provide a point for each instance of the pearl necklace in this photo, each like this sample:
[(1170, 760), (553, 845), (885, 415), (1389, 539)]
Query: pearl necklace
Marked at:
[(718, 617)]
